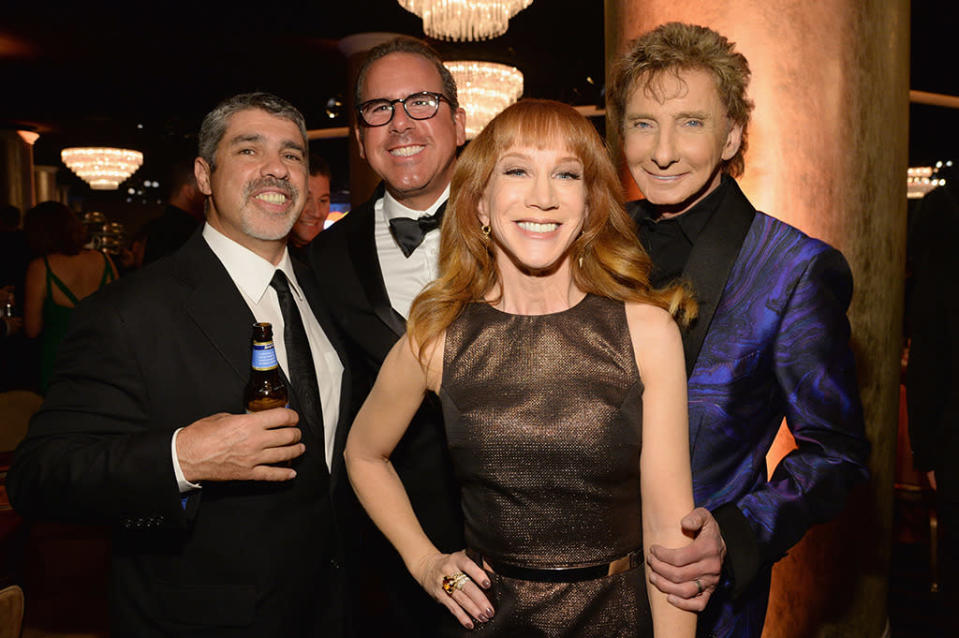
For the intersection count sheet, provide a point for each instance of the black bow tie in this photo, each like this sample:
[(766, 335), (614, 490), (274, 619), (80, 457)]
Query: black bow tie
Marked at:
[(409, 233)]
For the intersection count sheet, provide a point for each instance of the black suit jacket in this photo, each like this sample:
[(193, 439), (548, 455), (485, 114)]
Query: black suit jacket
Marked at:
[(347, 269), (771, 341), (932, 379), (151, 353), (168, 232)]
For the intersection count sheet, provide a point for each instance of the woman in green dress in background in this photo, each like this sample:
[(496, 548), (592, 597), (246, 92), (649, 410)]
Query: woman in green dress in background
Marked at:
[(61, 274)]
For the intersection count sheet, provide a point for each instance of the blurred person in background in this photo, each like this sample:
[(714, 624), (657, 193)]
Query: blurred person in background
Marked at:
[(932, 377), (180, 219), (313, 217), (61, 274)]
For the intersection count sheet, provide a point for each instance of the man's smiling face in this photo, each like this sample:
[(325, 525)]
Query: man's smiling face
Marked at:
[(414, 157), (259, 185)]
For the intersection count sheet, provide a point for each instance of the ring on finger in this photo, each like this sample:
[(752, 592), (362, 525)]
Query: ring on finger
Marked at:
[(455, 582), (699, 586)]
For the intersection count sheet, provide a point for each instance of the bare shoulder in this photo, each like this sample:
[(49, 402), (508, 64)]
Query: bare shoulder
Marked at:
[(36, 266), (647, 321), (429, 360), (433, 356), (654, 334)]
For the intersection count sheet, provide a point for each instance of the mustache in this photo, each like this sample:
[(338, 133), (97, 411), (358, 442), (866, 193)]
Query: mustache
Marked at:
[(270, 182)]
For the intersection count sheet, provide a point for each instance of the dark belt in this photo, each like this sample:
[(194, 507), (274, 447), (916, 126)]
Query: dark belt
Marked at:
[(631, 560)]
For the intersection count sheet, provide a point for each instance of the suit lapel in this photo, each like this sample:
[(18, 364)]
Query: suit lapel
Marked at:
[(215, 305), (711, 261), (366, 262), (305, 278)]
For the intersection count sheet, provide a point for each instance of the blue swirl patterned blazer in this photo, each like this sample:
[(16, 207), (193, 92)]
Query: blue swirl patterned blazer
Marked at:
[(771, 341)]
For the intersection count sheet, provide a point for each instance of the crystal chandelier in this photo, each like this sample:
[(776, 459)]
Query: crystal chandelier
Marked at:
[(484, 89), (102, 168), (922, 179), (465, 19)]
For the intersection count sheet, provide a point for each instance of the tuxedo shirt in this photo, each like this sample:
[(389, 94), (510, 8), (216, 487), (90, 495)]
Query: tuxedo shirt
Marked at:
[(405, 277), (669, 241), (252, 275)]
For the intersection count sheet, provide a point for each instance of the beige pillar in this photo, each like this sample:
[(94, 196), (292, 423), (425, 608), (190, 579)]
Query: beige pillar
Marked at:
[(827, 153), (16, 168), (45, 179)]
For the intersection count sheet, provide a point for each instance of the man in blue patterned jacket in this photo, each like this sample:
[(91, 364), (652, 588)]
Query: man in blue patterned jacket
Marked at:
[(771, 340)]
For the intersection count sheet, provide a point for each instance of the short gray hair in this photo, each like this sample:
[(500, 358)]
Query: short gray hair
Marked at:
[(215, 123)]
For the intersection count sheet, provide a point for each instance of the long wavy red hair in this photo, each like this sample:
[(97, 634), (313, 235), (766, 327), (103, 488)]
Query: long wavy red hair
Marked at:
[(606, 259)]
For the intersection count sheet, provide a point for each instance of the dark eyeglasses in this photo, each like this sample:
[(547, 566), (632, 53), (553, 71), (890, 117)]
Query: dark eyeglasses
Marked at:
[(419, 106)]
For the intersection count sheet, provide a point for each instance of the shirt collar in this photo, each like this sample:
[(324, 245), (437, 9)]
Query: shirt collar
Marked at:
[(393, 209), (250, 272), (694, 220)]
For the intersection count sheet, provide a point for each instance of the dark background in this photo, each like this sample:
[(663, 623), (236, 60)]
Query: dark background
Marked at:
[(142, 74)]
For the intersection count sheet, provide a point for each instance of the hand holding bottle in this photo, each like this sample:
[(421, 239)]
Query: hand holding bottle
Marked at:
[(240, 447)]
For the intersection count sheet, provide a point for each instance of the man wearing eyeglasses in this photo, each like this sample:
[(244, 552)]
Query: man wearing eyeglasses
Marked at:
[(371, 265)]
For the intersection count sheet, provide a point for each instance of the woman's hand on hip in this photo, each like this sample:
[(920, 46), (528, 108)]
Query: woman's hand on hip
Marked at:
[(464, 582)]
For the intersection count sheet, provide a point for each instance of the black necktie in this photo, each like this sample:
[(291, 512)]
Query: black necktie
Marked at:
[(409, 233), (298, 358)]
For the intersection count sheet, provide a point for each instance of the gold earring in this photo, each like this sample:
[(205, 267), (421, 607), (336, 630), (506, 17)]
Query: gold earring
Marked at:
[(485, 230)]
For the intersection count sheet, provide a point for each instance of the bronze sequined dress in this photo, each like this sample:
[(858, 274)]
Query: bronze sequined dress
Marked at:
[(544, 422)]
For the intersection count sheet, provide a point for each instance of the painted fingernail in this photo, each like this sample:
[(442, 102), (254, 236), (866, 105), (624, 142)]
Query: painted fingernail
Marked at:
[(486, 584), (469, 625), (489, 612)]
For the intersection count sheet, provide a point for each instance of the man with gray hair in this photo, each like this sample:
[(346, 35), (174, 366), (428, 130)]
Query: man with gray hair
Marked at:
[(225, 522)]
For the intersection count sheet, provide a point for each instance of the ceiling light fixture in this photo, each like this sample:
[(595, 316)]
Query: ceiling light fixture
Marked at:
[(484, 89), (102, 168), (465, 19)]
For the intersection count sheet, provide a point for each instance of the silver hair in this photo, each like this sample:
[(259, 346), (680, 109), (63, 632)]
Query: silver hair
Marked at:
[(215, 123)]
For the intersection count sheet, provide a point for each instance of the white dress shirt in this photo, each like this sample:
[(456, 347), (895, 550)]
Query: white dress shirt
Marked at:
[(252, 274), (405, 277)]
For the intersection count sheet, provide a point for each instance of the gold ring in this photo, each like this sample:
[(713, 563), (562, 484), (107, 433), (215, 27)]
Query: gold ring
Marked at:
[(699, 586), (454, 582)]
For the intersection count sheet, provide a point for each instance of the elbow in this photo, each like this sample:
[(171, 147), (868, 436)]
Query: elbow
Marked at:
[(349, 457), (358, 457), (354, 454)]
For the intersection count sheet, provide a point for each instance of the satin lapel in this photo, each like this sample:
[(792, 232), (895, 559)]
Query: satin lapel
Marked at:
[(710, 262), (305, 277), (366, 262), (215, 305)]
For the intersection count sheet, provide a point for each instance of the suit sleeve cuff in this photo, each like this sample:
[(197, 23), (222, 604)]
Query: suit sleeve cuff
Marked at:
[(182, 483), (743, 559)]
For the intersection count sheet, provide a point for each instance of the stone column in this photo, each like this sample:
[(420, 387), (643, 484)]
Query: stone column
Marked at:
[(16, 168), (47, 190), (828, 154)]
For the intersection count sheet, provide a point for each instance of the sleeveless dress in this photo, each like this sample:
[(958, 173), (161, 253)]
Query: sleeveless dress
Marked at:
[(544, 423), (56, 319)]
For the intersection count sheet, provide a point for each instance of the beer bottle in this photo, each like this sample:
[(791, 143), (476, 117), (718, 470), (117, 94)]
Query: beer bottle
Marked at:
[(266, 388)]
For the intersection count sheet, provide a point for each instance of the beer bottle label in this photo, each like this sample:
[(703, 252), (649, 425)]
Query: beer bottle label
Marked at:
[(264, 356)]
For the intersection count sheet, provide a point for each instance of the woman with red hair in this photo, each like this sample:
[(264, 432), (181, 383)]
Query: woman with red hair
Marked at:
[(562, 379)]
